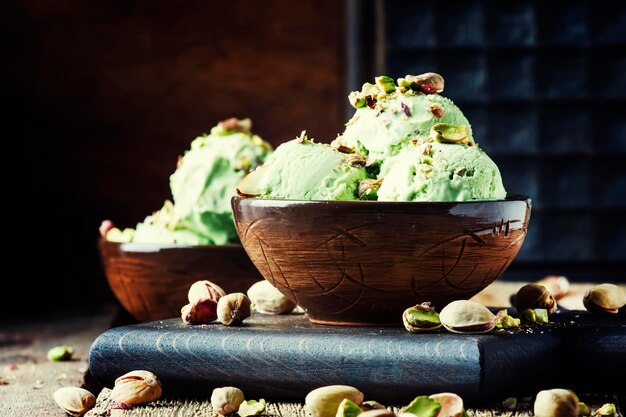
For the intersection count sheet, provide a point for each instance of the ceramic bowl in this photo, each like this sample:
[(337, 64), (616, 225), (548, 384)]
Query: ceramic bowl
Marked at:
[(151, 281), (363, 263)]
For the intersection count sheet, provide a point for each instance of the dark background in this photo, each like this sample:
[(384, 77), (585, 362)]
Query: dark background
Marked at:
[(103, 96)]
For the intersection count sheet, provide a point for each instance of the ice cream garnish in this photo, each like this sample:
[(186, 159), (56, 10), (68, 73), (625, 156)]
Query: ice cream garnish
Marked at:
[(234, 125), (446, 133), (368, 189)]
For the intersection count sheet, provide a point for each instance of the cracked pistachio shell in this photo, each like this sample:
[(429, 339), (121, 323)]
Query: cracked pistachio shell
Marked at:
[(136, 387), (451, 404), (421, 318), (74, 401), (324, 401), (464, 316), (226, 400), (535, 296), (604, 298), (556, 403), (233, 308), (204, 290), (431, 79), (268, 300)]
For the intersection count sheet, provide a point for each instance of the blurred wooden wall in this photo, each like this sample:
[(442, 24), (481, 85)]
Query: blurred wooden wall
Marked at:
[(105, 95)]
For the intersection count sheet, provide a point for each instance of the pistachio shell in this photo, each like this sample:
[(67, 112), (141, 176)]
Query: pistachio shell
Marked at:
[(204, 290), (451, 404), (74, 401), (136, 387), (324, 401), (226, 400), (464, 316), (268, 300), (233, 308), (421, 317), (604, 298), (556, 403), (534, 296)]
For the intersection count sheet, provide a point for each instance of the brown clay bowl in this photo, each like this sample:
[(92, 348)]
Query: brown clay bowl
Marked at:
[(363, 263), (151, 281)]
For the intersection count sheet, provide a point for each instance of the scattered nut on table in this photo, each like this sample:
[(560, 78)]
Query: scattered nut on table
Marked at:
[(604, 298), (226, 400), (556, 403), (74, 401), (534, 296), (268, 300), (136, 387), (421, 318), (464, 316), (202, 312), (60, 353), (233, 308), (251, 408), (451, 404), (324, 401), (204, 290)]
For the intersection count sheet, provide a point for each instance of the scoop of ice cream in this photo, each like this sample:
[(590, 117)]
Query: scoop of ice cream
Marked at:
[(207, 178), (389, 115), (304, 170), (442, 169), (204, 182), (162, 227)]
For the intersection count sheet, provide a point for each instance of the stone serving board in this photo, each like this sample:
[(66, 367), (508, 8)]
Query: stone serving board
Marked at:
[(284, 357)]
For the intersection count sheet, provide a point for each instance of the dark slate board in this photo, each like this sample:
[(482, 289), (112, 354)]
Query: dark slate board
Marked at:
[(284, 357)]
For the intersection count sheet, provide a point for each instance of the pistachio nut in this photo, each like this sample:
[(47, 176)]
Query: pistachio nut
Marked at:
[(104, 228), (386, 84), (535, 315), (204, 290), (372, 405), (251, 408), (348, 408), (357, 99), (451, 404), (607, 409), (233, 308), (74, 401), (556, 403), (447, 133), (324, 401), (604, 298), (368, 189), (268, 300), (429, 82), (583, 409), (422, 406), (420, 318), (203, 312), (235, 125), (383, 412), (226, 400), (136, 387), (534, 296), (505, 321), (558, 285), (510, 403), (464, 316), (60, 353)]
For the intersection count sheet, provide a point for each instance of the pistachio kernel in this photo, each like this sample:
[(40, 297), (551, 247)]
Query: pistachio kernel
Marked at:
[(251, 408), (446, 133), (505, 321), (583, 409), (357, 99), (510, 403), (436, 110), (451, 404), (60, 353), (420, 318), (348, 408), (422, 406), (368, 188), (608, 410), (535, 315), (202, 312), (429, 83), (386, 84), (324, 401), (235, 125)]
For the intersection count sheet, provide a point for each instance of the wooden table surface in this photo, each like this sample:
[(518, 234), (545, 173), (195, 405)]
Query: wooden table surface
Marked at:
[(28, 379)]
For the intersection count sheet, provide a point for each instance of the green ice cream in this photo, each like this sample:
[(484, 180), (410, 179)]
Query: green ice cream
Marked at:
[(202, 185), (436, 171), (304, 170), (386, 122)]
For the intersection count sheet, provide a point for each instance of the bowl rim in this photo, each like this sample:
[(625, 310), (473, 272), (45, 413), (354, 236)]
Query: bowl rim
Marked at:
[(510, 198), (157, 247)]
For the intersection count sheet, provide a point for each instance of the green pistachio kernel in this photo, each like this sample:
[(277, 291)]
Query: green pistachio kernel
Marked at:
[(507, 322), (607, 409), (536, 315), (60, 353), (447, 133), (251, 408), (357, 99), (348, 409), (403, 82), (416, 318), (583, 410), (422, 406), (386, 84)]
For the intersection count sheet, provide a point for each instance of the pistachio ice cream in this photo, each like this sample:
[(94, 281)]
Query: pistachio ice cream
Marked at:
[(205, 179), (405, 142)]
